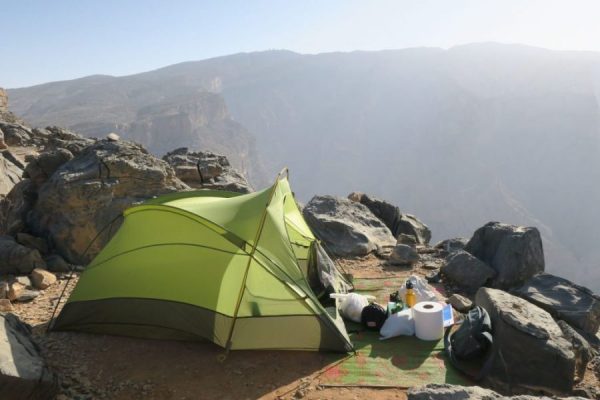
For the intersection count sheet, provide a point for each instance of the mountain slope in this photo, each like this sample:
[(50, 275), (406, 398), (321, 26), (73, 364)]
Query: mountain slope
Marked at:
[(458, 137)]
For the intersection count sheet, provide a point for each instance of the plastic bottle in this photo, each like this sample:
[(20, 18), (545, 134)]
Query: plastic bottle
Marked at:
[(411, 299)]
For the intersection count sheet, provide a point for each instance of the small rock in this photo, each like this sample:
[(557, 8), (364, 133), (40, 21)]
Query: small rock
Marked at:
[(42, 279), (23, 280), (15, 290), (452, 245), (404, 255), (467, 271), (113, 137), (460, 303), (5, 305), (27, 295)]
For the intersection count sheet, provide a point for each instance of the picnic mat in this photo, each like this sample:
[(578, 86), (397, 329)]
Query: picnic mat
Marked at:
[(398, 362)]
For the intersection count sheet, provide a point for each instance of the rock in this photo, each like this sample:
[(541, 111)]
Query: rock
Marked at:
[(460, 303), (409, 240), (23, 372), (15, 290), (27, 295), (388, 213), (404, 255), (565, 300), (41, 168), (10, 175), (397, 222), (16, 134), (451, 392), (4, 288), (3, 100), (203, 169), (532, 352), (32, 242), (2, 142), (16, 258), (56, 263), (54, 137), (452, 245), (348, 228), (467, 271), (16, 206), (23, 280), (411, 225), (90, 191), (514, 252), (113, 137), (6, 305), (42, 279), (582, 349)]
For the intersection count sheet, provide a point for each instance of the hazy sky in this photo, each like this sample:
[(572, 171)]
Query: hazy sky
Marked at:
[(48, 40)]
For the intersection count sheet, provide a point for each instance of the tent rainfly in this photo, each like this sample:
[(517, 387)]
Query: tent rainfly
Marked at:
[(239, 270)]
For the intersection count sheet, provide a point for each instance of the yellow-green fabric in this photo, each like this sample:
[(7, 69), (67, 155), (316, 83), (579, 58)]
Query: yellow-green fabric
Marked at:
[(222, 266)]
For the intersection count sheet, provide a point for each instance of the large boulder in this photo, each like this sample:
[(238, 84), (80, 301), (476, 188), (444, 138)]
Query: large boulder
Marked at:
[(24, 374), (397, 222), (514, 252), (565, 300), (207, 170), (348, 228), (16, 258), (531, 351), (467, 271), (90, 191)]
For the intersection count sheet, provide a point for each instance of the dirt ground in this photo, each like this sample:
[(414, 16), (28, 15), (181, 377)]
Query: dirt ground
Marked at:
[(110, 367)]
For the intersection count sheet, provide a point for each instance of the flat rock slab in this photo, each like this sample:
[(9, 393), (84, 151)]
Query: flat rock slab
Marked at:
[(23, 372), (565, 300)]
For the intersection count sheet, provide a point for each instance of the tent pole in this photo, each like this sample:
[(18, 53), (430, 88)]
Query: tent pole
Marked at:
[(250, 258)]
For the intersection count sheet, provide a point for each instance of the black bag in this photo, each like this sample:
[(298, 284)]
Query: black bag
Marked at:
[(472, 340), (373, 316)]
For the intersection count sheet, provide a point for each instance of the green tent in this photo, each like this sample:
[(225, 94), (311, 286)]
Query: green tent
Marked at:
[(234, 269)]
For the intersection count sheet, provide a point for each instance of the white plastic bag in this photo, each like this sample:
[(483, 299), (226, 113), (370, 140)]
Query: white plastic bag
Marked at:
[(399, 324), (423, 291), (352, 304)]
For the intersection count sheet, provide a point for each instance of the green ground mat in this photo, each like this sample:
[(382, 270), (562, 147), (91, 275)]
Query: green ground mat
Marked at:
[(398, 362)]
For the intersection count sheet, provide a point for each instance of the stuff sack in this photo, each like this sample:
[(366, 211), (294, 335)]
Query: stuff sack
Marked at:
[(399, 324), (352, 304), (373, 316), (472, 340)]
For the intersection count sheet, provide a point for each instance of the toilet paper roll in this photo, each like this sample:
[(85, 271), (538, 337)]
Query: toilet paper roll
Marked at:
[(429, 320)]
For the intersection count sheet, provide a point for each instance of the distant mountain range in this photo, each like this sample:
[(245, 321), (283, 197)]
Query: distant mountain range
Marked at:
[(458, 137)]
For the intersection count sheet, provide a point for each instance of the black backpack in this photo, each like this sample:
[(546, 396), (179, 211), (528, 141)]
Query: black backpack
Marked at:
[(472, 340)]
